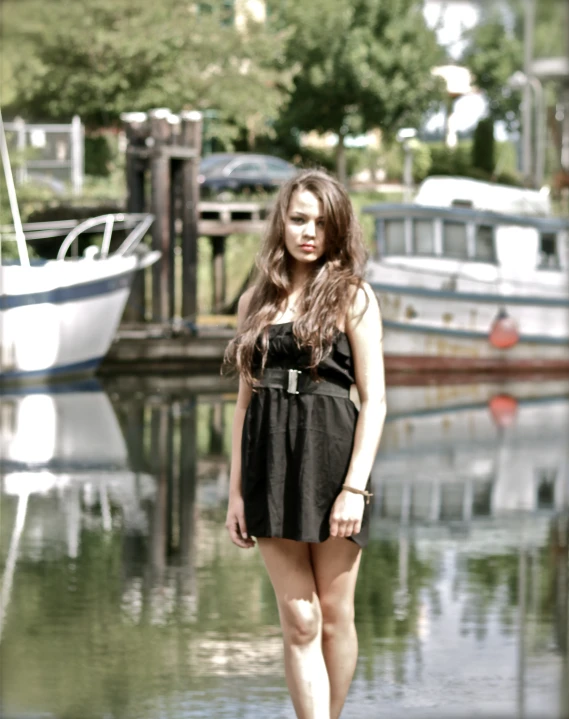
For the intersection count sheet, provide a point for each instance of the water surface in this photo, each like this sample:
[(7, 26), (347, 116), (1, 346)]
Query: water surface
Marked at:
[(122, 596)]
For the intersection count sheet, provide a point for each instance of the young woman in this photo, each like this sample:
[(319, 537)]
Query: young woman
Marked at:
[(302, 453)]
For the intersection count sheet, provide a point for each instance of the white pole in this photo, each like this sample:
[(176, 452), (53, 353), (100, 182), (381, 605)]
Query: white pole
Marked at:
[(77, 157), (20, 237), (529, 15), (540, 131), (21, 171)]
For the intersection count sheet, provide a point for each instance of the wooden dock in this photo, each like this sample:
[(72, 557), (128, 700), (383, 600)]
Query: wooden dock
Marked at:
[(155, 348)]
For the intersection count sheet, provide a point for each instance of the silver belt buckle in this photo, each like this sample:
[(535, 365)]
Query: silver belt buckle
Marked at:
[(293, 381)]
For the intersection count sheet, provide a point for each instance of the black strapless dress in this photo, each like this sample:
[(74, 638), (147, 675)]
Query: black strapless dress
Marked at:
[(296, 448)]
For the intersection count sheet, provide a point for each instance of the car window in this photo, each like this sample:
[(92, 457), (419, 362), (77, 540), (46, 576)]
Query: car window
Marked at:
[(279, 168), (212, 163), (275, 164), (247, 168)]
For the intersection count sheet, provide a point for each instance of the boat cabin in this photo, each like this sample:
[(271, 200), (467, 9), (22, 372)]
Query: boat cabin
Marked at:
[(464, 234)]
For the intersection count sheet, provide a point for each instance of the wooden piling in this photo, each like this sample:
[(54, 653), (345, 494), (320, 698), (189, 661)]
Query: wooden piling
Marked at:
[(187, 469), (168, 146), (219, 276), (216, 428), (191, 136), (163, 271), (136, 131)]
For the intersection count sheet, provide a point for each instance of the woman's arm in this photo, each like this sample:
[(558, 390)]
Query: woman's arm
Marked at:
[(365, 333), (235, 520), (366, 339)]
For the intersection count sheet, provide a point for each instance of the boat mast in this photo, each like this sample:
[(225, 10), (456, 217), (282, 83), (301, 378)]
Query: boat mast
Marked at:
[(20, 237)]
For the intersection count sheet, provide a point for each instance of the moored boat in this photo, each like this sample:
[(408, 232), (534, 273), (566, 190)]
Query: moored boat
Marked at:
[(59, 317), (465, 287)]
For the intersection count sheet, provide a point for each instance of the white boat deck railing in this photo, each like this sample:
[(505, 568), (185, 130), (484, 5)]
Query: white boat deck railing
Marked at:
[(140, 229), (138, 223)]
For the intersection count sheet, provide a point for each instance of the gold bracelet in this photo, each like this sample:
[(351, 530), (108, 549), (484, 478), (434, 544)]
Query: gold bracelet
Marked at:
[(365, 493)]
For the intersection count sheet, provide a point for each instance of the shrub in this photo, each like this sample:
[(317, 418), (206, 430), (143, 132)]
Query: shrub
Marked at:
[(98, 156), (483, 146)]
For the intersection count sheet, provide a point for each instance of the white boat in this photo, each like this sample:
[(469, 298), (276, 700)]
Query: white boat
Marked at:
[(59, 317), (464, 286)]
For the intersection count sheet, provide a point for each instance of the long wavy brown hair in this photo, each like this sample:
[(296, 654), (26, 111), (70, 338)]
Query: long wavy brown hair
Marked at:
[(329, 290)]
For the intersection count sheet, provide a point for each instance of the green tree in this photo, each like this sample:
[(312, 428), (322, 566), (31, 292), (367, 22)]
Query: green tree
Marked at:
[(495, 49), (104, 57), (361, 64), (483, 146), (493, 54)]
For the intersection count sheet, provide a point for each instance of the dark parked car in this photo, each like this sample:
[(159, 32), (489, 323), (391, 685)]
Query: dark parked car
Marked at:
[(227, 173)]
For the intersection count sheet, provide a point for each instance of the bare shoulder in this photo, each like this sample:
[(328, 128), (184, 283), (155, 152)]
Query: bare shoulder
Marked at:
[(364, 308), (243, 304)]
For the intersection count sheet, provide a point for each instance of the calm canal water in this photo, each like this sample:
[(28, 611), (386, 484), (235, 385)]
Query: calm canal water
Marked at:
[(123, 598)]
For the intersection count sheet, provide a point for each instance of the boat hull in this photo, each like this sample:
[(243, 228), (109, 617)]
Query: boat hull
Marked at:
[(432, 329), (59, 319)]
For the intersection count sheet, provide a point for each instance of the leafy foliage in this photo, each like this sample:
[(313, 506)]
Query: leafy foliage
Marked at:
[(361, 65), (495, 49), (493, 55), (110, 56)]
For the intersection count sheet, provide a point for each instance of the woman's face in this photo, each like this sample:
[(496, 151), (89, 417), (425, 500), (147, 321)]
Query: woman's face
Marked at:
[(304, 228)]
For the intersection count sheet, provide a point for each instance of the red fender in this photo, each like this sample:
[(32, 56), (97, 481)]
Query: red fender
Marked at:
[(504, 331), (504, 409)]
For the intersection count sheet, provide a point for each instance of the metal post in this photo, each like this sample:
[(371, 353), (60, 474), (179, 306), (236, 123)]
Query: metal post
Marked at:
[(21, 170), (529, 19), (540, 131), (191, 136), (408, 171), (77, 154), (16, 218), (565, 125)]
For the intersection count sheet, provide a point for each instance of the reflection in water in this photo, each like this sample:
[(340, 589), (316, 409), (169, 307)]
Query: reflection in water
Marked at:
[(122, 596)]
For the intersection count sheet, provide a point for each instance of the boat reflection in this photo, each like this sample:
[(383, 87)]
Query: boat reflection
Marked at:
[(458, 454)]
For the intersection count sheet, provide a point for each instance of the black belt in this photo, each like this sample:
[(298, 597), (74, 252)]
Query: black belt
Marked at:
[(296, 381)]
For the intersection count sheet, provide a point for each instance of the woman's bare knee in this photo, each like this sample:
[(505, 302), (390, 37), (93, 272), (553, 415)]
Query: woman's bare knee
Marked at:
[(337, 616), (301, 620)]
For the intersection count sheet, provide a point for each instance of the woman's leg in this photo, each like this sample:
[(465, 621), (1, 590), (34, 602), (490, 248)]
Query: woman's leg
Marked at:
[(335, 564), (290, 570)]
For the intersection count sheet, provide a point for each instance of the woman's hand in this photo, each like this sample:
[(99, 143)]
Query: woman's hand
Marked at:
[(346, 515), (235, 523)]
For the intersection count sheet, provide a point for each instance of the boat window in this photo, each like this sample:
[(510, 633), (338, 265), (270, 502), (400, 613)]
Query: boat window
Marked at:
[(395, 237), (548, 257), (454, 240), (482, 497), (484, 246), (546, 478), (423, 237), (462, 203)]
